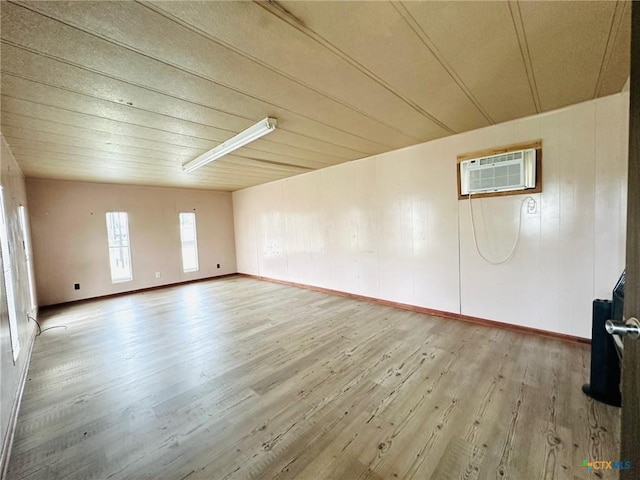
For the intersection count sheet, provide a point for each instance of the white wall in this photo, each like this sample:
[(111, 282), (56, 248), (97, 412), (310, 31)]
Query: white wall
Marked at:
[(68, 226), (391, 226)]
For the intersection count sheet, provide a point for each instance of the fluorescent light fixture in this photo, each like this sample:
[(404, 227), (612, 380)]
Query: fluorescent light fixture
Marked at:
[(252, 133)]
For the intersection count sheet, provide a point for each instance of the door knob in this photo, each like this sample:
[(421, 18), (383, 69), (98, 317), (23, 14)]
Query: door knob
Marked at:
[(630, 328)]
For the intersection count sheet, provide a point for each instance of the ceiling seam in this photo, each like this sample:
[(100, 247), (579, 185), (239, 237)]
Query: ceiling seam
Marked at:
[(103, 182), (110, 119), (159, 92), (64, 135), (279, 164), (266, 166), (273, 69), (614, 29), (228, 170), (167, 162), (112, 77), (124, 145), (279, 11), (198, 75), (430, 45), (221, 181), (518, 25), (145, 127), (76, 160), (202, 180), (89, 148), (139, 160), (56, 122)]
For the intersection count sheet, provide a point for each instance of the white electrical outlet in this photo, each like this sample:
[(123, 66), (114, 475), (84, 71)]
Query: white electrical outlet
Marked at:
[(157, 274)]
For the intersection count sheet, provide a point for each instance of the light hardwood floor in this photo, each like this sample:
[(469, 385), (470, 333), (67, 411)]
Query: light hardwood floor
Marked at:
[(238, 378)]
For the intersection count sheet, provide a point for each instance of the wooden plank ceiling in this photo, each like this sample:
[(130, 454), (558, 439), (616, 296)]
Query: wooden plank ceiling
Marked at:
[(126, 92)]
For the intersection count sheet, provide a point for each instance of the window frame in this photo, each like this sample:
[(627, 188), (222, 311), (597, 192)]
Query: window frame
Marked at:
[(183, 242), (7, 272), (535, 144), (28, 254), (119, 245)]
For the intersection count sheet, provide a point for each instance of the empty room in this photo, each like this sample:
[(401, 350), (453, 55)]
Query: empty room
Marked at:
[(320, 240)]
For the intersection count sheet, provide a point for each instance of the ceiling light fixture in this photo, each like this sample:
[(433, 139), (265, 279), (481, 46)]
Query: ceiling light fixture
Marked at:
[(264, 126)]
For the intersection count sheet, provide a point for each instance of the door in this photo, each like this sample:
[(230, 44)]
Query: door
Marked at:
[(630, 427)]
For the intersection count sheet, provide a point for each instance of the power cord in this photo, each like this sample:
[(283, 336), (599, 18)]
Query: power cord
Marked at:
[(40, 330), (515, 243)]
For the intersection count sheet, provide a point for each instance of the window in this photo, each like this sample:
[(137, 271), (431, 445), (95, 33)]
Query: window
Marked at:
[(8, 279), (119, 250), (26, 243), (189, 239)]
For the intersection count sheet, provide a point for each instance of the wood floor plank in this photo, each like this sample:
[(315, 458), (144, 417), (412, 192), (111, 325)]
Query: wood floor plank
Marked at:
[(242, 379)]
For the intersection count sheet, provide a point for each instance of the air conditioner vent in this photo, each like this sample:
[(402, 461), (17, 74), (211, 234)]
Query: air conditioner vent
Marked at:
[(506, 157), (499, 173)]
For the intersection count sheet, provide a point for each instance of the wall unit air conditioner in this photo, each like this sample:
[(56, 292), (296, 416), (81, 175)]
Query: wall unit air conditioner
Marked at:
[(503, 172)]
